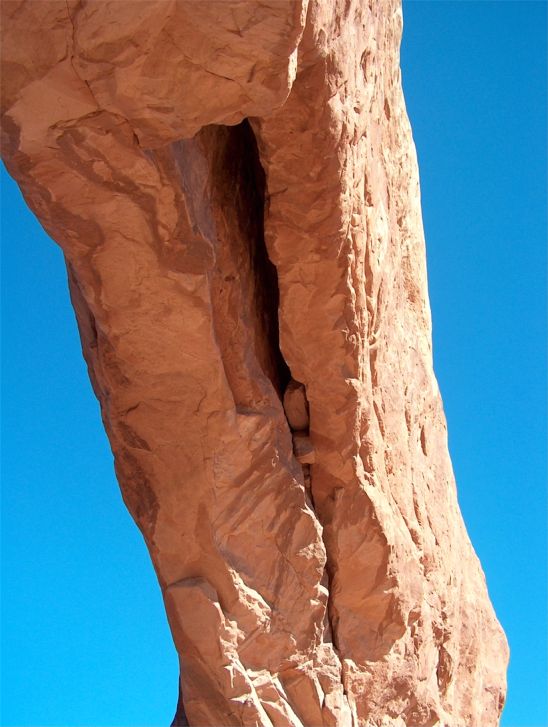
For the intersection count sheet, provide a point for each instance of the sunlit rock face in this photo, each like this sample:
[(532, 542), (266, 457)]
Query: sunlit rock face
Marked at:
[(235, 189)]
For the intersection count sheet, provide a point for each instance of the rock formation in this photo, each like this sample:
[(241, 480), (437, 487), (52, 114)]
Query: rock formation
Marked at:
[(235, 189)]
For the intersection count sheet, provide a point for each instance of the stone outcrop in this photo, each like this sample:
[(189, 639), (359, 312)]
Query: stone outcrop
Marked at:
[(235, 189)]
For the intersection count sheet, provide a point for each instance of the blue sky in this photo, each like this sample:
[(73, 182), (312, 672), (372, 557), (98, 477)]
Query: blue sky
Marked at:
[(85, 640), (474, 75)]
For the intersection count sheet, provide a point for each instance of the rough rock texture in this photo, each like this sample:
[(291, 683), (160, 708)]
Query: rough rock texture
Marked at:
[(235, 189)]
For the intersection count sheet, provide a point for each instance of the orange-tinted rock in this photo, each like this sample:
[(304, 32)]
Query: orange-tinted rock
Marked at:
[(303, 449), (234, 186), (296, 406)]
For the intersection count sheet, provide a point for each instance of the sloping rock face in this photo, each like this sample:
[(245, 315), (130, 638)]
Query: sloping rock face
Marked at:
[(235, 189)]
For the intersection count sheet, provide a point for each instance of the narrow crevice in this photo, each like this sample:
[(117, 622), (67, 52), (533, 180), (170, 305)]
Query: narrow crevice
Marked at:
[(292, 392), (241, 191), (267, 292)]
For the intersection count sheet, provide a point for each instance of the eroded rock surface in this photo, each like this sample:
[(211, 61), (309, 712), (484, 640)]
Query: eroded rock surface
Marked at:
[(235, 189)]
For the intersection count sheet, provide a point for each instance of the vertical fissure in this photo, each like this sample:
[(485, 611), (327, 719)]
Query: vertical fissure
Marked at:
[(292, 392), (267, 292), (239, 186), (243, 194)]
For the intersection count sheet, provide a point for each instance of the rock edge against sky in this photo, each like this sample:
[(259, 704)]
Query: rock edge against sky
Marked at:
[(235, 189)]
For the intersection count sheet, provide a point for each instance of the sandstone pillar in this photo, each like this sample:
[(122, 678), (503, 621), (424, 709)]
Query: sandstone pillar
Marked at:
[(235, 189)]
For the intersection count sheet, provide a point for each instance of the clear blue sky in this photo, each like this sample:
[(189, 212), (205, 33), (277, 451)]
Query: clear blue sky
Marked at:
[(85, 640)]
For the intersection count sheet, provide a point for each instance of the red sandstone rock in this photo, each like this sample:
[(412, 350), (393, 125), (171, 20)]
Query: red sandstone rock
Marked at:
[(296, 406), (234, 186), (303, 449)]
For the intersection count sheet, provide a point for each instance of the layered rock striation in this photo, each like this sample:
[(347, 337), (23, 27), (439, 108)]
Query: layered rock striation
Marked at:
[(235, 190)]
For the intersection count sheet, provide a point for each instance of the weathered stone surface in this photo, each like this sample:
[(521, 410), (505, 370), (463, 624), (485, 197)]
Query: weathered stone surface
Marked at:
[(296, 406), (235, 189), (303, 448)]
